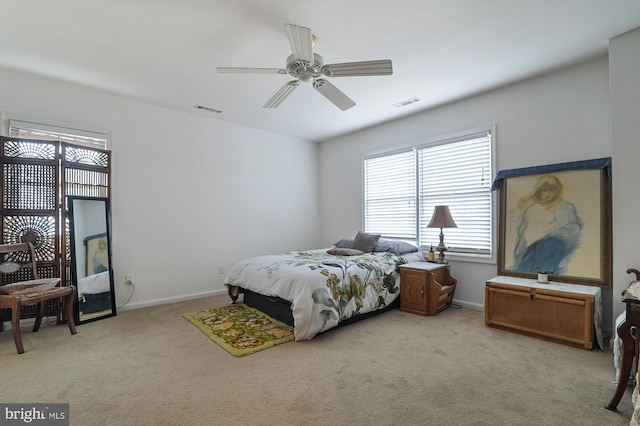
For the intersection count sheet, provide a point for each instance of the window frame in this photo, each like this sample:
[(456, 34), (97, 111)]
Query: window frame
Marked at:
[(35, 124), (415, 146)]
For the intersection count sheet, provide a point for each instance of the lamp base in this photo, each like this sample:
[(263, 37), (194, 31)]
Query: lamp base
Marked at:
[(441, 258), (441, 249)]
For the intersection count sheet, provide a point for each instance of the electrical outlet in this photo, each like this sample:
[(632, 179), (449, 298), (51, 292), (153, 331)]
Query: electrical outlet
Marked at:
[(221, 269), (128, 279)]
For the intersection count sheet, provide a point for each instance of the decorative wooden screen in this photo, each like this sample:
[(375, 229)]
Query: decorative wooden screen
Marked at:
[(36, 178), (85, 172)]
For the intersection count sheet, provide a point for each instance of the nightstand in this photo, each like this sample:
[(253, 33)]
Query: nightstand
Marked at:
[(426, 288)]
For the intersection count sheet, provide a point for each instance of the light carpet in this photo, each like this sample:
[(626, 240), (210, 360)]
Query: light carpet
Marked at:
[(149, 366)]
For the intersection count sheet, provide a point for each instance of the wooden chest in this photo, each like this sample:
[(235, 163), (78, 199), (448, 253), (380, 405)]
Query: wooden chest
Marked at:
[(565, 316)]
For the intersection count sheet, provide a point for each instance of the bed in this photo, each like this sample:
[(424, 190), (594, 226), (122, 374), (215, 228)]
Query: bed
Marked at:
[(320, 289), (94, 293)]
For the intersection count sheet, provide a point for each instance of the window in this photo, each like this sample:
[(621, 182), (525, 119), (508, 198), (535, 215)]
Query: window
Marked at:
[(390, 195), (27, 130), (401, 189)]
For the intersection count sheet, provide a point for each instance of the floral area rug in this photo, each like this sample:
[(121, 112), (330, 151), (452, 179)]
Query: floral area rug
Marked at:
[(240, 329)]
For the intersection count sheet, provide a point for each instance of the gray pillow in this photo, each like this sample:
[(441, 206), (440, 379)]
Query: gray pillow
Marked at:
[(365, 242), (395, 247), (344, 243)]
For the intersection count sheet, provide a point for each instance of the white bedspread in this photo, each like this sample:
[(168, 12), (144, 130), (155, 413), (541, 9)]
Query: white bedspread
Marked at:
[(323, 289), (94, 284)]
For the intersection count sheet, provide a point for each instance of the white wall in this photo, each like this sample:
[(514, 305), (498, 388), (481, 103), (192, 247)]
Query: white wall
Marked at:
[(190, 193), (624, 60), (562, 116)]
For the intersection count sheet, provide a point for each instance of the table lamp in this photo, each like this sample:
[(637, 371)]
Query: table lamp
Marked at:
[(441, 219)]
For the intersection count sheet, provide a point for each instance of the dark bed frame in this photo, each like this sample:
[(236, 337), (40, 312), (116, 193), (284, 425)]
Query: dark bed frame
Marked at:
[(95, 302), (280, 309)]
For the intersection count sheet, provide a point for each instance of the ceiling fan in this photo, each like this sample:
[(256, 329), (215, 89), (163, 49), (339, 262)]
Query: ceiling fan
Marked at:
[(305, 65)]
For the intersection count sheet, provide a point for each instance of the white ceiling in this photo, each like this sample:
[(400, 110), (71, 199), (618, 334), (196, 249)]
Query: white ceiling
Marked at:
[(165, 52)]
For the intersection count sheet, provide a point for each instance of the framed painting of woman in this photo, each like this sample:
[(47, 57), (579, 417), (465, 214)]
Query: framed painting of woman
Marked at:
[(556, 221), (97, 254)]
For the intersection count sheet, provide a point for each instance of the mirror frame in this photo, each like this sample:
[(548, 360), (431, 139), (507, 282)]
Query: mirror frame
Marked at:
[(74, 270)]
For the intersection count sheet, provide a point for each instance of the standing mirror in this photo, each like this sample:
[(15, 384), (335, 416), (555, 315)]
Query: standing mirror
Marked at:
[(91, 267)]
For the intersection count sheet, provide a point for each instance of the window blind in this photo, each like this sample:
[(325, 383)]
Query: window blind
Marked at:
[(402, 188), (457, 173), (390, 195), (27, 130)]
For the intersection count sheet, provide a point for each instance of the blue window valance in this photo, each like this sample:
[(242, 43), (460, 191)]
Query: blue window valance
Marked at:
[(598, 163)]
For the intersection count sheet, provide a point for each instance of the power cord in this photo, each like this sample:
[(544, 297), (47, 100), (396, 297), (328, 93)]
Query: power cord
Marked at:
[(133, 289)]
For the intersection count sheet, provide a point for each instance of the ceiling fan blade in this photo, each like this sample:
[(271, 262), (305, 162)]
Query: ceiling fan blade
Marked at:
[(301, 41), (281, 94), (332, 93), (243, 70), (364, 68)]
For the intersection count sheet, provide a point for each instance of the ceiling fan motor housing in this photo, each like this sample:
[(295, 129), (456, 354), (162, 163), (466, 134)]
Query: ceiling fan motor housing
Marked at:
[(303, 70)]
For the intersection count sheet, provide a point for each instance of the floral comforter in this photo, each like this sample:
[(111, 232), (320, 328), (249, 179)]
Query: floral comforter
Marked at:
[(323, 289)]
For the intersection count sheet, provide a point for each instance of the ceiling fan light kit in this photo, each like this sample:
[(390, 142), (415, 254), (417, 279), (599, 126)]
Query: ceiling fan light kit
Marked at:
[(305, 65)]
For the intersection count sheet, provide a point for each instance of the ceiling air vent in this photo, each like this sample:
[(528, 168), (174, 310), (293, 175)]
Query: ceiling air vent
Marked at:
[(205, 108), (407, 102)]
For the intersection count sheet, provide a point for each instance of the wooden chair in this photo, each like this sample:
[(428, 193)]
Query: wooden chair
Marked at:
[(628, 332), (15, 259)]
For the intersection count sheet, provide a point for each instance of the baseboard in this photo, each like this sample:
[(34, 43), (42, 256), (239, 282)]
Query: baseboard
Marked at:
[(469, 305), (28, 322), (221, 292), (175, 299)]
